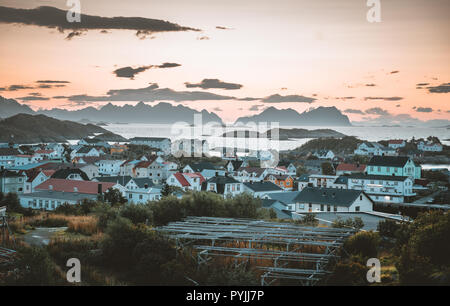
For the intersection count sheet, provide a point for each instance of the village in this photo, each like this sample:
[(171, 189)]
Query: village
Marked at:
[(375, 182)]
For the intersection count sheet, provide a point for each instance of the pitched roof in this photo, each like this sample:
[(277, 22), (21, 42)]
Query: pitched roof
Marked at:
[(8, 151), (303, 178), (59, 195), (122, 180), (377, 177), (7, 173), (222, 180), (44, 151), (351, 167), (199, 167), (181, 179), (285, 197), (236, 163), (249, 170), (143, 182), (85, 150), (388, 161), (69, 185), (328, 196), (262, 186), (195, 175), (281, 177), (64, 174)]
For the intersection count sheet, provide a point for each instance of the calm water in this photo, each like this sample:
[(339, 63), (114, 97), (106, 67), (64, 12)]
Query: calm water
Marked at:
[(365, 133)]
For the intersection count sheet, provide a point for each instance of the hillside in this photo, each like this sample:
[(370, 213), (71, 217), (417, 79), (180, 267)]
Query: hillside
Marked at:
[(24, 128), (345, 145)]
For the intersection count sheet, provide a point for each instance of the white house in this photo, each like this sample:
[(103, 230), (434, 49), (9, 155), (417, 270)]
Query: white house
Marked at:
[(109, 167), (206, 169), (186, 181), (383, 188), (374, 149), (251, 174), (34, 178), (50, 199), (7, 157), (142, 190), (313, 199), (86, 151), (324, 154), (429, 147), (11, 181), (396, 143), (46, 154), (224, 185), (322, 180)]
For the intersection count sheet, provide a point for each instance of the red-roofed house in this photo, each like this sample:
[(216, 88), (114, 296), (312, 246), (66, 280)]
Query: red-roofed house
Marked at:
[(87, 187), (46, 154), (191, 181), (344, 168), (396, 143)]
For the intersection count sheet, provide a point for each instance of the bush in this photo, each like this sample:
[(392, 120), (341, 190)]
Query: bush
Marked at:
[(388, 228), (363, 244), (137, 213)]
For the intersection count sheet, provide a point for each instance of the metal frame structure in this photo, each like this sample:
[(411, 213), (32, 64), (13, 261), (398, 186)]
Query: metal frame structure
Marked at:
[(296, 252)]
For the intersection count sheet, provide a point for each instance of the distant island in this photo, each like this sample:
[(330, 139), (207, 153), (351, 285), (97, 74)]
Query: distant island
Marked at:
[(27, 129), (286, 134), (321, 116)]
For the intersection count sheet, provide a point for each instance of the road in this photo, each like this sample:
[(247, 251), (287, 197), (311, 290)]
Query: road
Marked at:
[(425, 199)]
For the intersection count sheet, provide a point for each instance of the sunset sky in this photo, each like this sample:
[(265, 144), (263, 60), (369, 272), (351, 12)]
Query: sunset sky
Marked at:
[(285, 53)]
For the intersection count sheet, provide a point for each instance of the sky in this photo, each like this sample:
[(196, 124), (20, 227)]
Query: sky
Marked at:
[(232, 57)]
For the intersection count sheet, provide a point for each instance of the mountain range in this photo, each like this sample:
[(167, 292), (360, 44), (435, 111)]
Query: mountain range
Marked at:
[(321, 116), (166, 113)]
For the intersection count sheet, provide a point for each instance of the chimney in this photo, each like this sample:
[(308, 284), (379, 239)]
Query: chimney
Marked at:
[(100, 189)]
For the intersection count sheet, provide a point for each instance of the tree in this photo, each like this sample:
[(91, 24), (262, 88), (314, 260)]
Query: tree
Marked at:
[(114, 196), (327, 169), (388, 228), (363, 244)]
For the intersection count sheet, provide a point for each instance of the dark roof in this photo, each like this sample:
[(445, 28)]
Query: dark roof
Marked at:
[(328, 196), (285, 197), (61, 195), (7, 173), (262, 186), (9, 151), (388, 161), (236, 163), (85, 150), (222, 180), (142, 182), (377, 177), (199, 167), (64, 174), (148, 139), (122, 180), (343, 179)]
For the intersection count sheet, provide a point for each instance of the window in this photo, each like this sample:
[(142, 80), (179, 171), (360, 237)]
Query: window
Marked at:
[(357, 208), (360, 197)]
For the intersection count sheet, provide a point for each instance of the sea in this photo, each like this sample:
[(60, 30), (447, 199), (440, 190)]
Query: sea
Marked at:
[(212, 135)]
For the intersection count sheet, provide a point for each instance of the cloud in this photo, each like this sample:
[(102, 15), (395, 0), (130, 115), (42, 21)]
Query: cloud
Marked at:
[(51, 17), (422, 84), (149, 94), (130, 72), (371, 85), (217, 109), (291, 98), (33, 98), (424, 109), (203, 38), (249, 99), (214, 83), (345, 98), (52, 82), (223, 28), (377, 111), (443, 88), (395, 71), (16, 87), (384, 98), (353, 111)]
